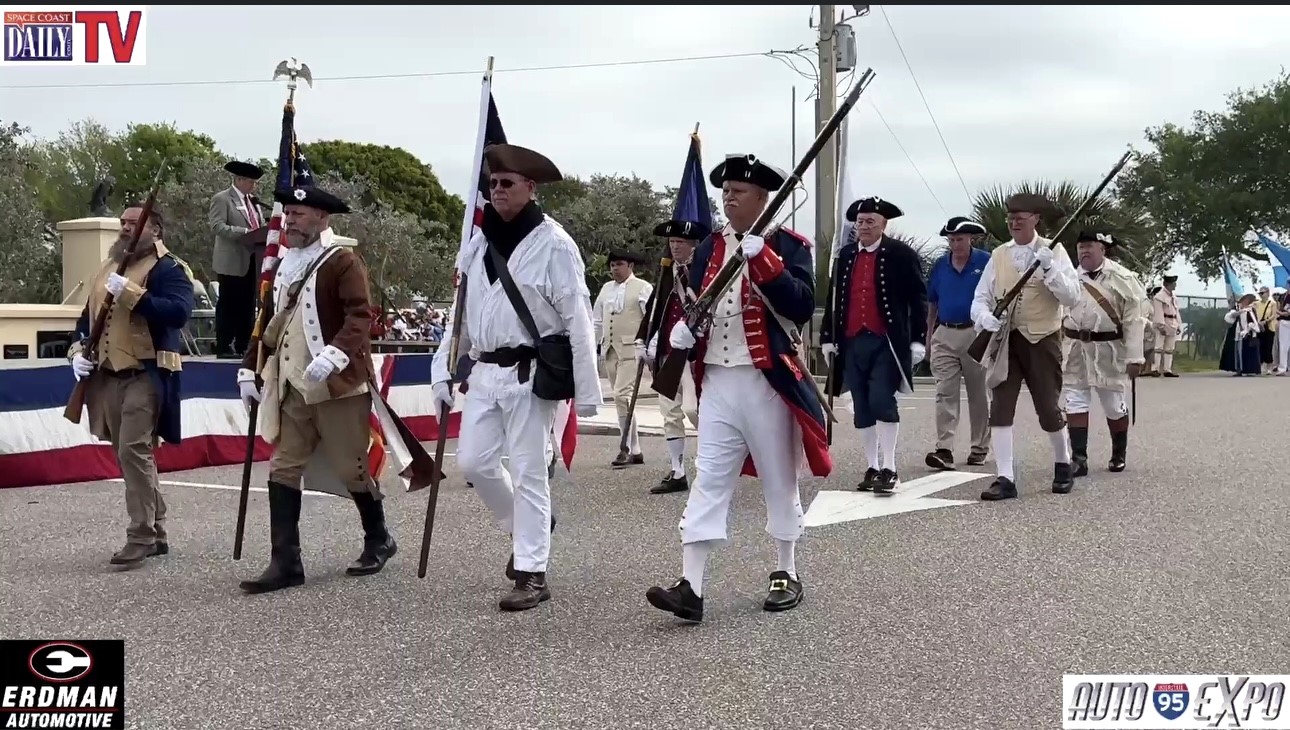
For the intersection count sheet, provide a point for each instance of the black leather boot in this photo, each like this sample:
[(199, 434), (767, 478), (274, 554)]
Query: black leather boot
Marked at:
[(1079, 450), (1063, 480), (378, 543), (285, 569), (1119, 449), (529, 591)]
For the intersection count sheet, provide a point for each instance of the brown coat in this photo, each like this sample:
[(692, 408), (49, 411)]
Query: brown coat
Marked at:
[(344, 316)]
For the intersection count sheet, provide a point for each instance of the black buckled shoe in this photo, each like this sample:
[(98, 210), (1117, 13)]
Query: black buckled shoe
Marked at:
[(378, 543), (511, 573), (942, 459), (886, 482), (976, 459), (1063, 481), (784, 593), (870, 477), (670, 483), (1001, 488), (529, 591), (285, 568), (678, 600)]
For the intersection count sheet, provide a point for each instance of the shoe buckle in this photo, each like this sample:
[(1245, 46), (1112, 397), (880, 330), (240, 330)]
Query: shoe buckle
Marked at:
[(778, 584)]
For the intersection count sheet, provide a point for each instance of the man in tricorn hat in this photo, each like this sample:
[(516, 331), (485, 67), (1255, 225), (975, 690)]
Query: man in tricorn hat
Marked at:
[(1166, 319), (875, 326), (317, 393), (512, 398), (674, 294), (1029, 347), (950, 288), (234, 212), (1104, 336), (616, 317), (757, 414)]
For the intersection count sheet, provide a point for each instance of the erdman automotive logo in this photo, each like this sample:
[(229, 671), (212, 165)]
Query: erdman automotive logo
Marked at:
[(62, 684)]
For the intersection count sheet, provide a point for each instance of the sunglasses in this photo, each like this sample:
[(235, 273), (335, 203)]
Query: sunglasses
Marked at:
[(501, 182)]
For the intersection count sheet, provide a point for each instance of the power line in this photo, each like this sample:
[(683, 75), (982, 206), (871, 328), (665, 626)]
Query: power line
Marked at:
[(375, 77), (927, 106), (910, 158)]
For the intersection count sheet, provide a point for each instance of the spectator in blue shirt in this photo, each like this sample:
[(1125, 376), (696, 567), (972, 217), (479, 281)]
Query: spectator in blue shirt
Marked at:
[(950, 288)]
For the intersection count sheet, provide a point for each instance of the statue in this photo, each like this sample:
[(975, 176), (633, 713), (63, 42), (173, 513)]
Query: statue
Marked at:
[(99, 200)]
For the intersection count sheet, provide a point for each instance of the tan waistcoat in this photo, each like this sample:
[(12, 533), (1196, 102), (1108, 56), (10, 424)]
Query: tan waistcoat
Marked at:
[(1037, 313), (126, 339), (621, 328)]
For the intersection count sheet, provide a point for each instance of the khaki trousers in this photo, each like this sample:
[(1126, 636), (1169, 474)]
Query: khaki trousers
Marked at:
[(339, 426), (129, 406), (620, 368), (675, 412), (953, 367)]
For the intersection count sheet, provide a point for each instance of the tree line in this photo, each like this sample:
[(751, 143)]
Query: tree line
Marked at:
[(1195, 191)]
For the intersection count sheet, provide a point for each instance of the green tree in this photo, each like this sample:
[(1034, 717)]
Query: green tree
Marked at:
[(1142, 250), (1206, 185), (393, 176), (30, 254)]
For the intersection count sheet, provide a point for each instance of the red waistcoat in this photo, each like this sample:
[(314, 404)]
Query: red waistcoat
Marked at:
[(862, 303)]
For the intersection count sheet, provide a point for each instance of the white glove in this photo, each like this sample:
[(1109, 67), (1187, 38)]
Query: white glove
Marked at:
[(441, 395), (828, 349), (989, 323), (116, 284), (651, 350), (587, 411), (752, 245), (1044, 256), (248, 392), (642, 353), (917, 351), (81, 367), (681, 337), (319, 370)]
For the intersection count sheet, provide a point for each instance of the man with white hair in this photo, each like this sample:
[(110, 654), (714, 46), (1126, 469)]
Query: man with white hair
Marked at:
[(531, 340)]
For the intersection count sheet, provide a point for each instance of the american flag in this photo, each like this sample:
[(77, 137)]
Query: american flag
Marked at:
[(564, 432)]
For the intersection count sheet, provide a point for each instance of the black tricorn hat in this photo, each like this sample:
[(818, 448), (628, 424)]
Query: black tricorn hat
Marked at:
[(1171, 278), (244, 169), (521, 161), (682, 229), (1028, 203), (628, 256), (1105, 239), (749, 169), (962, 224), (873, 204), (312, 198)]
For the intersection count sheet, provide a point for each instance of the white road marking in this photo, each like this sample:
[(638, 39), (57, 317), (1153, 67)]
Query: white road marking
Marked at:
[(834, 506)]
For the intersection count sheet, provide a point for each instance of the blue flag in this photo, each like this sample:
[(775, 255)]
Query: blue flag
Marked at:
[(293, 168), (1282, 256), (692, 197), (1234, 288), (1280, 278)]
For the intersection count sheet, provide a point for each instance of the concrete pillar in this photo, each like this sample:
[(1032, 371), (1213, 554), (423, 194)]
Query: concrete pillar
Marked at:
[(86, 242)]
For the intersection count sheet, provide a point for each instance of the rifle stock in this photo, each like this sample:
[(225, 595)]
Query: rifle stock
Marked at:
[(76, 402), (699, 315), (981, 343)]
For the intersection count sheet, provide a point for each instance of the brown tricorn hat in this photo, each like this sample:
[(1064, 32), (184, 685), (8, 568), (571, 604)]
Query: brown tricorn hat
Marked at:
[(1028, 203), (521, 161)]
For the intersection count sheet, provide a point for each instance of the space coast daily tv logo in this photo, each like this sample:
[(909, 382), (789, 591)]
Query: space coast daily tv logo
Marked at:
[(1181, 701), (62, 684), (74, 35)]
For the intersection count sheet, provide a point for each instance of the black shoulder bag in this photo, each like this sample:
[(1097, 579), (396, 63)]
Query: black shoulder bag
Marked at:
[(553, 371)]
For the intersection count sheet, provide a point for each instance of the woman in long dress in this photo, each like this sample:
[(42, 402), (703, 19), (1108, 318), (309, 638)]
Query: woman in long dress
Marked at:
[(1240, 354)]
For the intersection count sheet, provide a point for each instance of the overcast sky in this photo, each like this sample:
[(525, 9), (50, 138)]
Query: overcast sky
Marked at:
[(1021, 93)]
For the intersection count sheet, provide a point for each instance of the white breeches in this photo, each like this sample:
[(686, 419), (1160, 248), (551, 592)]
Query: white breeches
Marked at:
[(739, 412), (517, 424), (1283, 346), (1079, 400)]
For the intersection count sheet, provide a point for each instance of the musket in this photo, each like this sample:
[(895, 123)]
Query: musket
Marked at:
[(664, 270), (698, 317), (828, 389), (979, 345), (76, 402), (1133, 397)]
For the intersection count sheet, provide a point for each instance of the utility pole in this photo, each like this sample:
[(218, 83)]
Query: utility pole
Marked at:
[(826, 165)]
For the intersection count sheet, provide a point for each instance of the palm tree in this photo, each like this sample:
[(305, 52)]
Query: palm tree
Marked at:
[(1141, 249)]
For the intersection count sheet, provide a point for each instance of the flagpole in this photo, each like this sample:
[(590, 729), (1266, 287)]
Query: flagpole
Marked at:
[(793, 154)]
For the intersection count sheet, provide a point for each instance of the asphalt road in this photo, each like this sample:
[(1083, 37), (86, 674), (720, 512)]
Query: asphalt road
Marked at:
[(954, 618)]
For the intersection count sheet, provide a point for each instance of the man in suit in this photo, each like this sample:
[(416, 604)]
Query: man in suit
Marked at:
[(875, 324), (233, 214)]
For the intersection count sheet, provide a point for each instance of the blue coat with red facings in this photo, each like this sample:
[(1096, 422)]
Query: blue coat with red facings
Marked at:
[(784, 271)]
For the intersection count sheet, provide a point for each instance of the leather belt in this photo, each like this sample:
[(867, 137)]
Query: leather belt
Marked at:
[(127, 373), (955, 325), (509, 357), (1087, 336)]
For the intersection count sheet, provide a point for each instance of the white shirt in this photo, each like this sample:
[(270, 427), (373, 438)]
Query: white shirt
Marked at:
[(1061, 279), (727, 341), (295, 262), (610, 302)]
